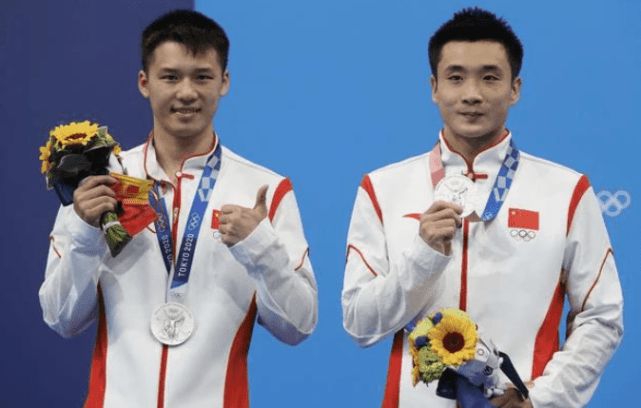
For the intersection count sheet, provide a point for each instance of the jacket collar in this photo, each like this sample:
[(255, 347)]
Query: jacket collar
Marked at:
[(487, 162), (191, 165)]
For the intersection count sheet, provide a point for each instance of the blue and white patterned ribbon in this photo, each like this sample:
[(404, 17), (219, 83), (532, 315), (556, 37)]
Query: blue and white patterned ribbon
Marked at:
[(180, 271)]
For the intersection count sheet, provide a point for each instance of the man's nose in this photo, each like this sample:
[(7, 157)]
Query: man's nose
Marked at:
[(472, 92), (186, 91)]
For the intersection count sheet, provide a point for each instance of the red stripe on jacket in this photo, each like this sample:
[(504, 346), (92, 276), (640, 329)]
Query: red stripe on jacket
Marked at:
[(464, 266), (585, 300), (581, 187), (547, 338), (236, 393), (284, 187), (358, 251), (392, 388), (98, 373), (366, 184)]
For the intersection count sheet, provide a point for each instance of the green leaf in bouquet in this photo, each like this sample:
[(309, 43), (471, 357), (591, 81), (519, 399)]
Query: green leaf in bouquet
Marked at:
[(102, 139)]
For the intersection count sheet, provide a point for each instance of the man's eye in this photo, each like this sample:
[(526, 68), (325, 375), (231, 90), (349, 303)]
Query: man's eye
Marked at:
[(490, 78), (455, 78), (204, 77), (169, 77)]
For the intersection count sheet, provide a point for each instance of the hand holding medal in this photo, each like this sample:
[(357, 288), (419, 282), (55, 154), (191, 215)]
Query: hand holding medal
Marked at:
[(455, 197), (438, 225), (457, 189)]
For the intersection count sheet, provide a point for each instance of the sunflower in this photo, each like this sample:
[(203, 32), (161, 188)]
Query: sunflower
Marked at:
[(75, 133), (453, 336), (45, 153)]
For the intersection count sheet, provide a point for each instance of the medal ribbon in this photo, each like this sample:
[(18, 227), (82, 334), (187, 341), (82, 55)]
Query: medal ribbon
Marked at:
[(502, 183), (185, 258)]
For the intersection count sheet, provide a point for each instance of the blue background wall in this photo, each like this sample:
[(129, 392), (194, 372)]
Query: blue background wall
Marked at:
[(322, 92)]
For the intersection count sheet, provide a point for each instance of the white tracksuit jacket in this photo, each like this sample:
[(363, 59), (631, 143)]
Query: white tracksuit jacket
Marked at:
[(268, 274), (514, 288)]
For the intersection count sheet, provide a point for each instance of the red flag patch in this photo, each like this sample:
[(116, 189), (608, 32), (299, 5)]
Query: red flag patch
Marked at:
[(519, 218), (215, 219)]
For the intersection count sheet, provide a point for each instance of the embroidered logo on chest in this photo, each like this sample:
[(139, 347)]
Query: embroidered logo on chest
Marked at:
[(523, 224)]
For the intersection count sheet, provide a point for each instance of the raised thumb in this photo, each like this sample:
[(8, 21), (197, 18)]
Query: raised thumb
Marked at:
[(261, 200)]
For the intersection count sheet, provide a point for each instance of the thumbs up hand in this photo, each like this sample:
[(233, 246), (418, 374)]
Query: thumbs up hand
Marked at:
[(236, 222)]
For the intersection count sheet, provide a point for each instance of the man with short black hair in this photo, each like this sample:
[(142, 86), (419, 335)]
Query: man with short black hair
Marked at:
[(176, 308), (506, 236)]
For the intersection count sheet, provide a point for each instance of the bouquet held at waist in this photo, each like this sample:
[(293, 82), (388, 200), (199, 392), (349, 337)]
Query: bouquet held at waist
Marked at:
[(447, 346)]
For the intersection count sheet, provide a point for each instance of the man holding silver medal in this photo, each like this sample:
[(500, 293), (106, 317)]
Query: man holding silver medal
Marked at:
[(478, 225), (176, 308)]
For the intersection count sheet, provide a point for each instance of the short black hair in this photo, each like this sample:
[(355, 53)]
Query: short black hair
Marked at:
[(476, 24), (197, 32)]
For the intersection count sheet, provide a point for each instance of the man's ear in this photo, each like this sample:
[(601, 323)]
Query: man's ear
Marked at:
[(516, 90), (226, 83), (434, 85), (143, 83)]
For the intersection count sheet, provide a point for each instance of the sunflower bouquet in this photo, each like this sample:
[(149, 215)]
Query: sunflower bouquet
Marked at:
[(81, 149), (447, 346)]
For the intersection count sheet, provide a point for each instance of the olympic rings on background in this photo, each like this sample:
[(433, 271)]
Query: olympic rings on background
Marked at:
[(612, 204)]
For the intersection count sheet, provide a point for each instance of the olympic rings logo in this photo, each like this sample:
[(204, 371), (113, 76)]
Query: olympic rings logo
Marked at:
[(193, 221), (612, 204), (522, 234)]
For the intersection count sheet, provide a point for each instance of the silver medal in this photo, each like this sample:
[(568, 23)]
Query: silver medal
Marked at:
[(172, 324), (459, 190)]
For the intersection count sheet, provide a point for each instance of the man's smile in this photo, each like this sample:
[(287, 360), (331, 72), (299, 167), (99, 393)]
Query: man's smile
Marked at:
[(471, 114), (185, 110)]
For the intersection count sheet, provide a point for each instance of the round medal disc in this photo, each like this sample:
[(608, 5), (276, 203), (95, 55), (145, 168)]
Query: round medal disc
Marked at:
[(172, 324), (456, 189)]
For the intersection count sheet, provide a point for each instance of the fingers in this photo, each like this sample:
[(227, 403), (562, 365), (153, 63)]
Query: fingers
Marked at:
[(510, 399), (90, 210), (93, 197), (228, 234), (443, 214), (443, 209), (229, 209), (443, 229), (92, 181), (229, 219), (261, 199), (100, 190), (237, 222), (438, 225)]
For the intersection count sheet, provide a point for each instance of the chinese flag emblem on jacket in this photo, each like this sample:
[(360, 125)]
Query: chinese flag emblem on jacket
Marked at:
[(523, 219)]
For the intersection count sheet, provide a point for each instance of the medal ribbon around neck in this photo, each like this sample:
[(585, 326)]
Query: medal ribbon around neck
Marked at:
[(502, 183), (180, 271)]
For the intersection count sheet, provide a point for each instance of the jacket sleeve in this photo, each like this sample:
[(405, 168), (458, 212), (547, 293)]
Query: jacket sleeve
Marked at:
[(379, 297), (595, 320), (68, 295), (276, 256)]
